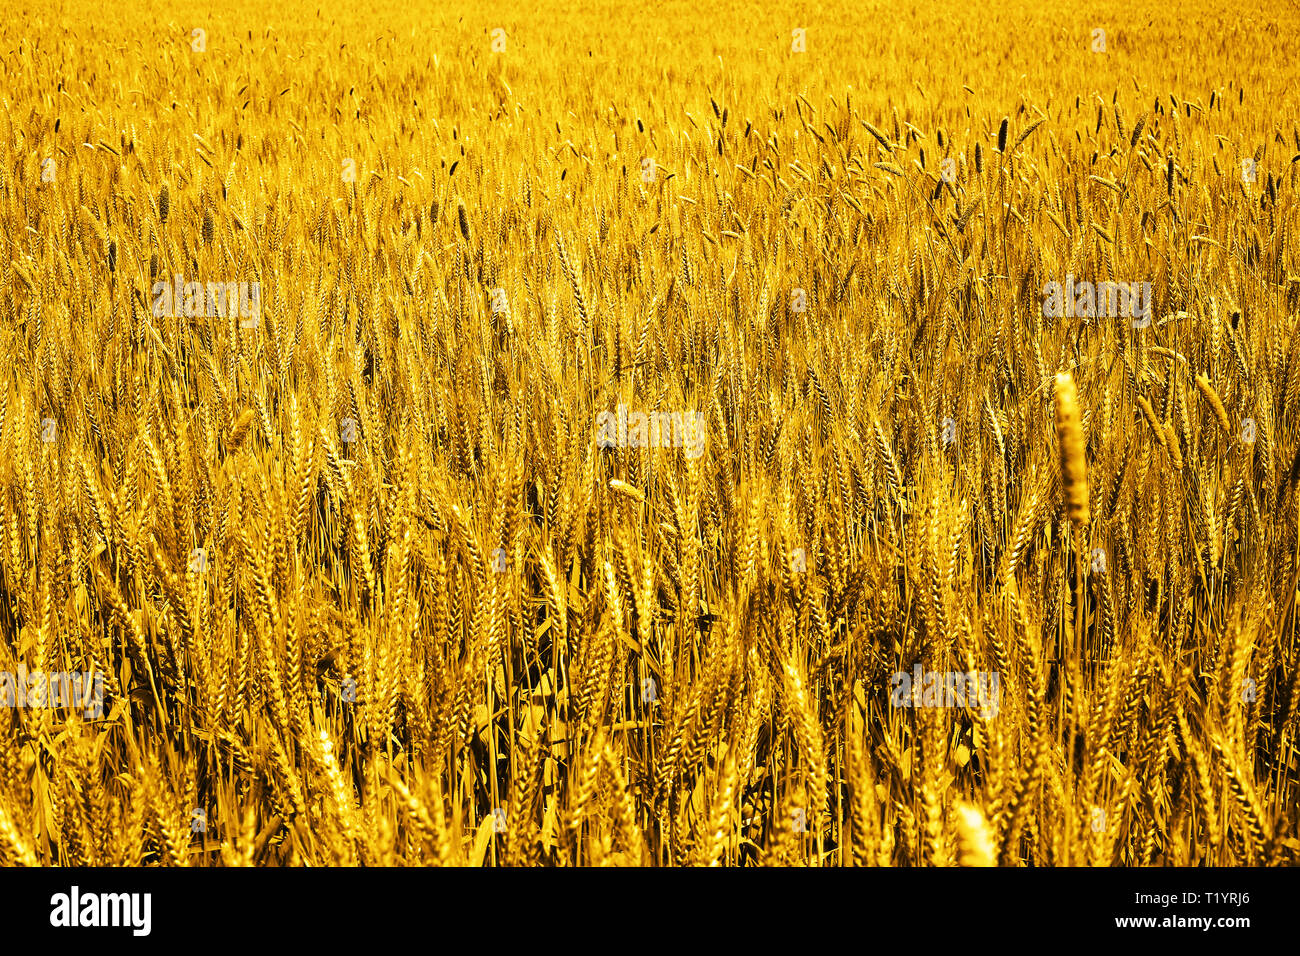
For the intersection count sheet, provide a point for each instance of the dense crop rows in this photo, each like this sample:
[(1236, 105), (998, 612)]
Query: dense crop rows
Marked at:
[(592, 429)]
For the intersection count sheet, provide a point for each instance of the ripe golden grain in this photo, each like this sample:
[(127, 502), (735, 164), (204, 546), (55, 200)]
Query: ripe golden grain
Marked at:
[(1215, 403), (476, 637), (626, 490), (1069, 440)]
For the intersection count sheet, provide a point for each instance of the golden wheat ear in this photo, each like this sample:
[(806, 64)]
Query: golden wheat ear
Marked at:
[(1069, 440)]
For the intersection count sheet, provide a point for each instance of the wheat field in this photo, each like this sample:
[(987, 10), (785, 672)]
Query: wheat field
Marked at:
[(477, 434)]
